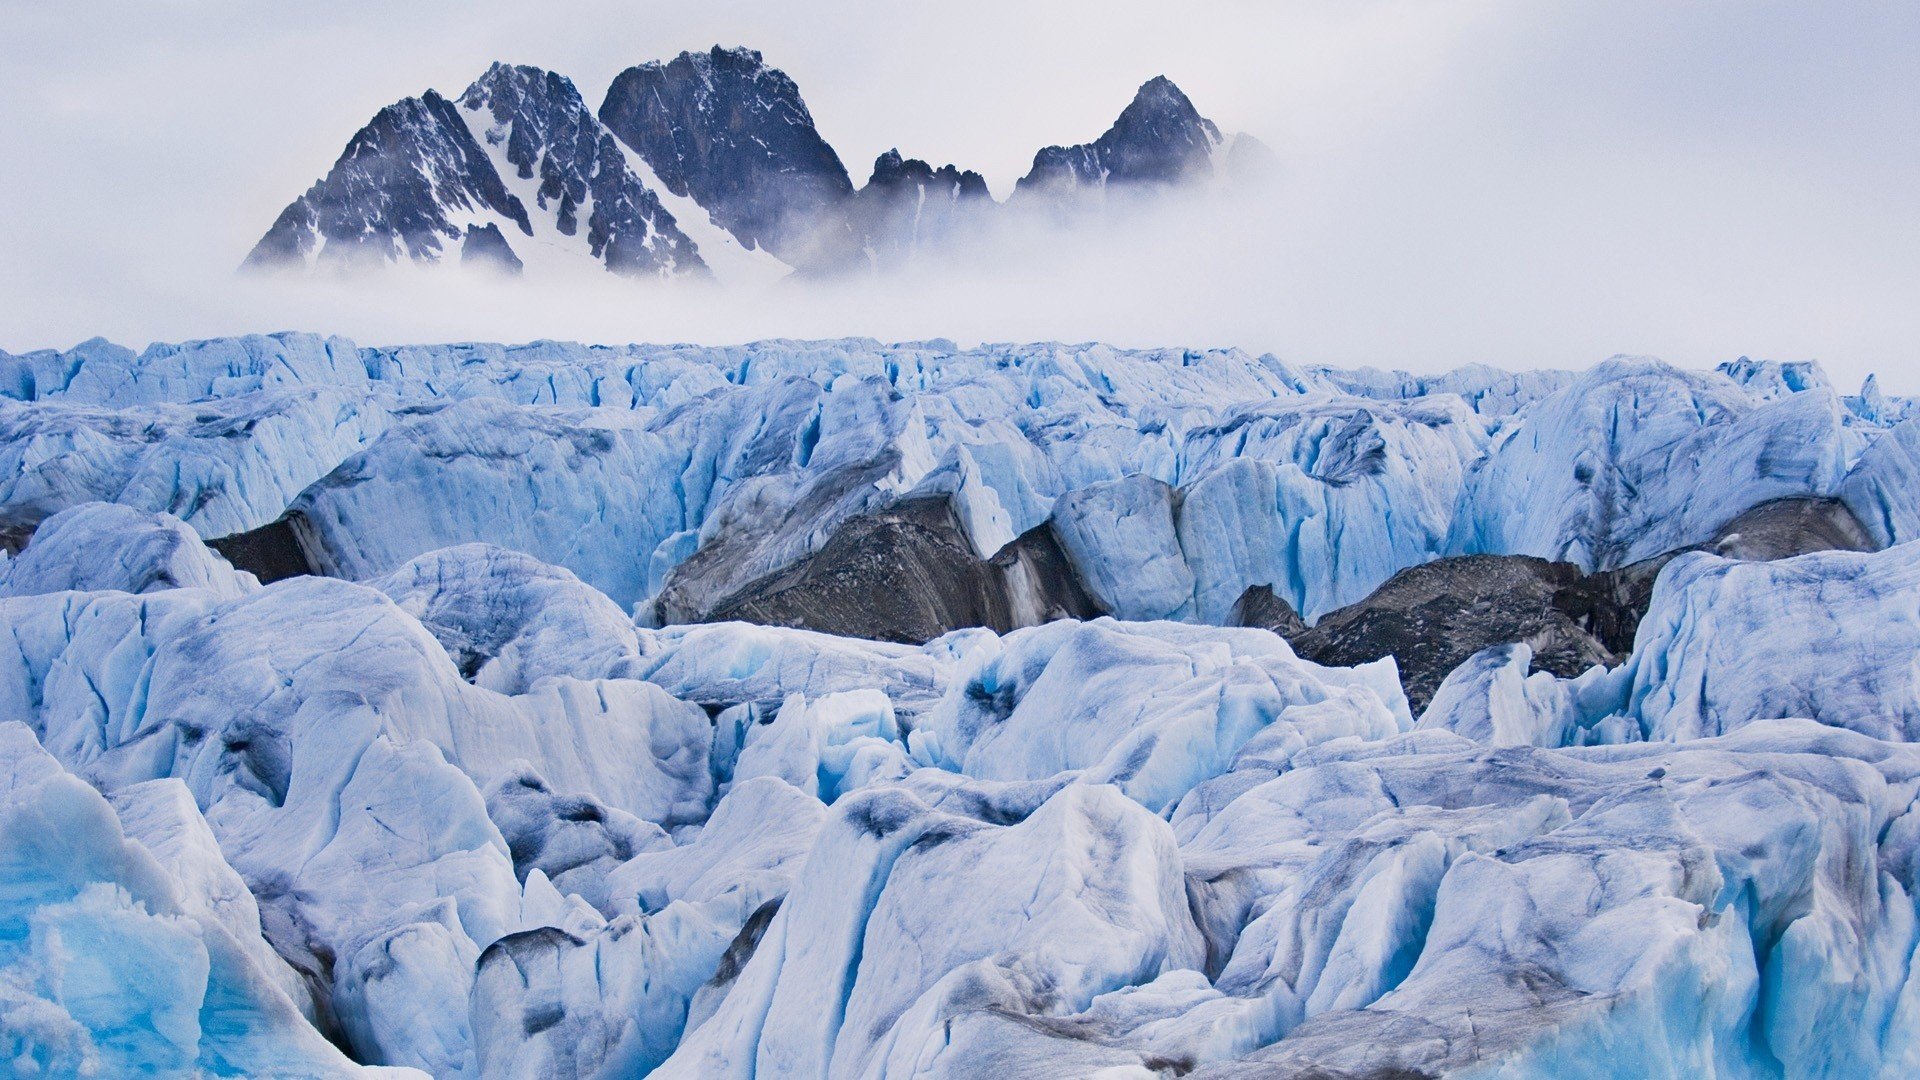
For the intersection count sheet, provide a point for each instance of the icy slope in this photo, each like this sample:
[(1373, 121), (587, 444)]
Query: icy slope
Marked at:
[(127, 947)]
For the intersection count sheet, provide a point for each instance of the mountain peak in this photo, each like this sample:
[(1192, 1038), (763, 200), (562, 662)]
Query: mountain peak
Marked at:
[(520, 148), (734, 134), (1158, 139)]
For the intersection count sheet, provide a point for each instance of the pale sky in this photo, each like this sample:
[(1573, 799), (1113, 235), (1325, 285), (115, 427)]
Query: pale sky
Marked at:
[(1506, 181)]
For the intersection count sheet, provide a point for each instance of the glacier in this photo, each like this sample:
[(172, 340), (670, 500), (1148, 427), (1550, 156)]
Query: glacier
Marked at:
[(393, 710)]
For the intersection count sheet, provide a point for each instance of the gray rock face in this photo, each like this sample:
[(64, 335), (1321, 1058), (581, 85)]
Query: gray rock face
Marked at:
[(272, 552), (520, 151), (1431, 618), (732, 132), (1783, 528), (908, 574), (1258, 606)]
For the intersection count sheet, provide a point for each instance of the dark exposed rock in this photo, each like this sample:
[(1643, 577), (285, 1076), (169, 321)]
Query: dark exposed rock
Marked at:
[(14, 538), (271, 552), (1776, 529), (391, 191), (908, 574), (1258, 606), (486, 248), (730, 131), (1432, 617), (1160, 139), (721, 127)]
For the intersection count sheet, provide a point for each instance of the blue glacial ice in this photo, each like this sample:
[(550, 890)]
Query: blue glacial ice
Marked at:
[(487, 798)]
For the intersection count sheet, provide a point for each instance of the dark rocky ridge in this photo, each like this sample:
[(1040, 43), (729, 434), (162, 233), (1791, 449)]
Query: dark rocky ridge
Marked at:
[(907, 573), (732, 132), (391, 192), (487, 248), (1431, 618), (1160, 139), (272, 552)]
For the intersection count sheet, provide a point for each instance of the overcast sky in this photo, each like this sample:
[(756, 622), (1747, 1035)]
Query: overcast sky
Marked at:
[(1507, 181)]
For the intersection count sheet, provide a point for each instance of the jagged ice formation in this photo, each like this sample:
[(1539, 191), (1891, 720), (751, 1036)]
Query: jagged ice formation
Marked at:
[(1591, 753)]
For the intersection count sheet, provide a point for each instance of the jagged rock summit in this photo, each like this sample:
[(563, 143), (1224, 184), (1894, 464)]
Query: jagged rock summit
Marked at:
[(519, 160), (733, 133), (709, 150), (1160, 138)]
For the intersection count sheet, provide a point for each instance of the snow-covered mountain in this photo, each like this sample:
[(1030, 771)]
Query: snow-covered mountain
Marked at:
[(855, 710), (707, 163), (517, 170)]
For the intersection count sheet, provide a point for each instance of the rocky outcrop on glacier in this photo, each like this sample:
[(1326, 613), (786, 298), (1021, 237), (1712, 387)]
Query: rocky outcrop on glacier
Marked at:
[(518, 155), (1431, 618), (731, 132), (751, 459), (909, 573)]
